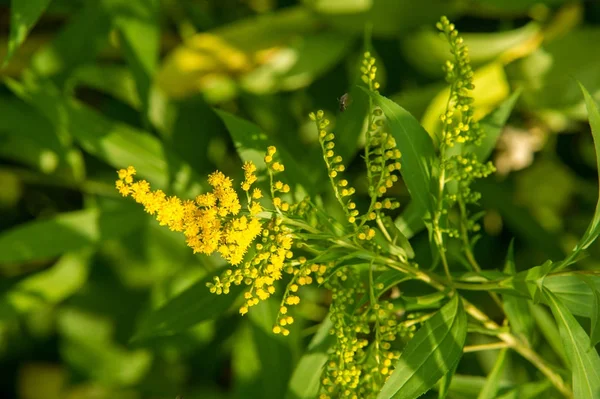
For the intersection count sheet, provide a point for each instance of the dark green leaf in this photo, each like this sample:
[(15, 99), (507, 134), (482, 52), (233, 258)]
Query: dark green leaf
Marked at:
[(23, 16), (546, 325), (434, 350), (417, 150), (584, 360), (190, 307), (43, 239)]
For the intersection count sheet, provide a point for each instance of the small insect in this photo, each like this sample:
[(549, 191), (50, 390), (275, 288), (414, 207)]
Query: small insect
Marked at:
[(344, 101)]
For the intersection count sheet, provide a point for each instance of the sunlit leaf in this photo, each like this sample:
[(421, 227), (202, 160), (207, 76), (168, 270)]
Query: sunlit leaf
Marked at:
[(430, 354)]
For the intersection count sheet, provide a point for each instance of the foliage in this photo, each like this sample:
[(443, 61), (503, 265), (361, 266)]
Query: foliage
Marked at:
[(354, 249)]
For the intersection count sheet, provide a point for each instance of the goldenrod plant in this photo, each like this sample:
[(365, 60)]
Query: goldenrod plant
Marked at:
[(399, 325)]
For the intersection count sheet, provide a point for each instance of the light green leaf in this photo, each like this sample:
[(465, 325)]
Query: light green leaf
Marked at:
[(445, 383), (417, 150), (306, 379), (584, 360), (427, 51), (341, 6), (434, 350), (23, 16), (52, 285), (492, 384), (43, 239), (190, 307), (574, 293)]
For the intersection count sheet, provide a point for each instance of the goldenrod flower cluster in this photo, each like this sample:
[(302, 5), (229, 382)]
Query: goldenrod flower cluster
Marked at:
[(208, 223)]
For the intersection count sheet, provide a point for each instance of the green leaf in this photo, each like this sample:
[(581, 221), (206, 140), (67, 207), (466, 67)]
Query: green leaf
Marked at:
[(50, 286), (530, 390), (117, 144), (341, 6), (43, 239), (595, 314), (548, 329), (251, 143), (584, 360), (426, 51), (593, 230), (390, 18), (434, 350), (23, 16), (517, 308), (417, 150), (274, 354), (445, 383), (490, 389), (411, 220), (306, 379), (77, 43), (188, 308), (139, 33), (574, 293)]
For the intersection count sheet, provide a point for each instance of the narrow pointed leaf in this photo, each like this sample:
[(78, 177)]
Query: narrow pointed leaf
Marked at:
[(434, 350), (584, 360), (416, 147), (490, 389)]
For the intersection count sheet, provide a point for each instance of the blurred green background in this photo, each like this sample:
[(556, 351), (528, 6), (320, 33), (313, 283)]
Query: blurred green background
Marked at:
[(92, 86)]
